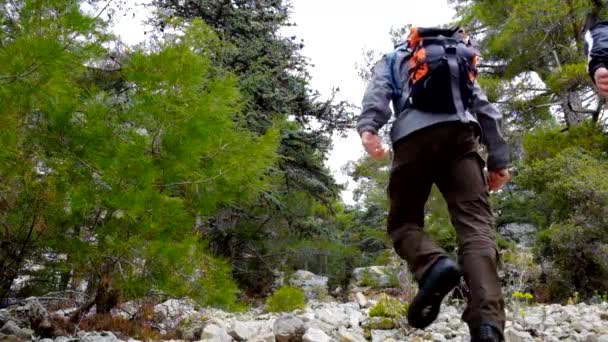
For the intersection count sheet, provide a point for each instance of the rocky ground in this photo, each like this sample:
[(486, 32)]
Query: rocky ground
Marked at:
[(323, 319), (326, 321)]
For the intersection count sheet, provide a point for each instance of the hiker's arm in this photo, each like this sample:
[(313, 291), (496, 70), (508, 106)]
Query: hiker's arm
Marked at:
[(376, 109), (489, 119), (596, 48)]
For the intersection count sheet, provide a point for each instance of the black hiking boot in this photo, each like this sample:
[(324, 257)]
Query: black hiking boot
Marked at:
[(486, 333), (436, 283)]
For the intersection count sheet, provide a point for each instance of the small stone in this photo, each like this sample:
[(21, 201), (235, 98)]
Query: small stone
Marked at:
[(215, 333), (315, 335), (349, 336), (454, 323), (438, 337), (10, 338), (361, 300), (104, 336), (533, 321), (11, 328), (333, 315), (314, 286), (517, 336), (383, 335), (288, 328), (242, 330)]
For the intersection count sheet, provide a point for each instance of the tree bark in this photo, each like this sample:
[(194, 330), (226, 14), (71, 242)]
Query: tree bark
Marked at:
[(571, 102)]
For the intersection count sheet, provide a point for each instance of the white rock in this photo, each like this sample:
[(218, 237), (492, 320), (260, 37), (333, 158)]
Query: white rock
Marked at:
[(308, 316), (315, 335), (349, 336), (590, 337), (383, 335), (29, 311), (62, 339), (215, 333), (355, 318), (266, 337), (361, 300), (533, 321), (442, 328), (438, 337), (125, 310), (314, 286), (11, 328), (288, 327), (248, 329), (315, 323), (603, 338), (104, 336), (581, 326), (333, 315), (454, 323), (171, 312), (379, 276), (512, 335)]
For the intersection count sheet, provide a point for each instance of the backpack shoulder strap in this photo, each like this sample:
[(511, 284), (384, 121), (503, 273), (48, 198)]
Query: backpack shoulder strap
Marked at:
[(396, 81)]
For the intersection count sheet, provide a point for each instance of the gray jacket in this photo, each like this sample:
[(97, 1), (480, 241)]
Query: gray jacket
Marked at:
[(376, 113)]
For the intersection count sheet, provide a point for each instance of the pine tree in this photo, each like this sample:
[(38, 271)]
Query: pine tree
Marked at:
[(106, 186), (275, 83)]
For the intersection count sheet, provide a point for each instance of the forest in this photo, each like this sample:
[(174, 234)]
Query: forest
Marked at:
[(195, 166)]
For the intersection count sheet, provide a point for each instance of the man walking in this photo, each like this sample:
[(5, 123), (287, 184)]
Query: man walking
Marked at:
[(441, 114)]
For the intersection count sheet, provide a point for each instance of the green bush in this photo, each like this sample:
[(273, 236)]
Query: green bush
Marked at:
[(389, 307), (368, 280), (286, 299), (574, 191)]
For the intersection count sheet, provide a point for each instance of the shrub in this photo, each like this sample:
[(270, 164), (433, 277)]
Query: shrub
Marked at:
[(368, 279), (389, 307), (286, 299), (574, 191)]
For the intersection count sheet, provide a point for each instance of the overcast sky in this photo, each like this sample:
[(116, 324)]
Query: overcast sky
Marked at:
[(335, 33)]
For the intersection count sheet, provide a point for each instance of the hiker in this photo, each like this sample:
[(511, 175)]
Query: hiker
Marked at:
[(441, 114), (596, 40)]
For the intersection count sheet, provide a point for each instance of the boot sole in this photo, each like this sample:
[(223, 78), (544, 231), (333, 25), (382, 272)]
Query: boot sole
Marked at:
[(431, 299)]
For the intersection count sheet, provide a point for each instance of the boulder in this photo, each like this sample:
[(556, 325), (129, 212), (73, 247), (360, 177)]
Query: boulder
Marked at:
[(288, 328), (314, 286)]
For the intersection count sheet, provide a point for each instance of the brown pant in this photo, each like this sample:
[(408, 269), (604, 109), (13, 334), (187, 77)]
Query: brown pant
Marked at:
[(447, 155)]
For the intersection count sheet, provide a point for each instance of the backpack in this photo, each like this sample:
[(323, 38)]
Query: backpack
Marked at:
[(441, 71)]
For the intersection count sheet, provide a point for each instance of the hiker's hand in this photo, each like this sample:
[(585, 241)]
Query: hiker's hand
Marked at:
[(373, 145), (601, 80), (498, 178)]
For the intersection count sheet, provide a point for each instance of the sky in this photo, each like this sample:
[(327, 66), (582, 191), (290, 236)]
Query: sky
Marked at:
[(335, 34)]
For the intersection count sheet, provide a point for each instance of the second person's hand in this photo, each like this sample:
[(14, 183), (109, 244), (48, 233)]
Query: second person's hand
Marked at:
[(601, 80)]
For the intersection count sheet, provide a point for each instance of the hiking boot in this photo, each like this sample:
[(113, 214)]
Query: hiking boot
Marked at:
[(436, 283), (486, 333)]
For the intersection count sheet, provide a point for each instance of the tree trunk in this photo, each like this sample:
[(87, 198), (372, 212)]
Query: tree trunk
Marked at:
[(106, 298), (571, 103), (9, 268), (7, 276), (107, 295)]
